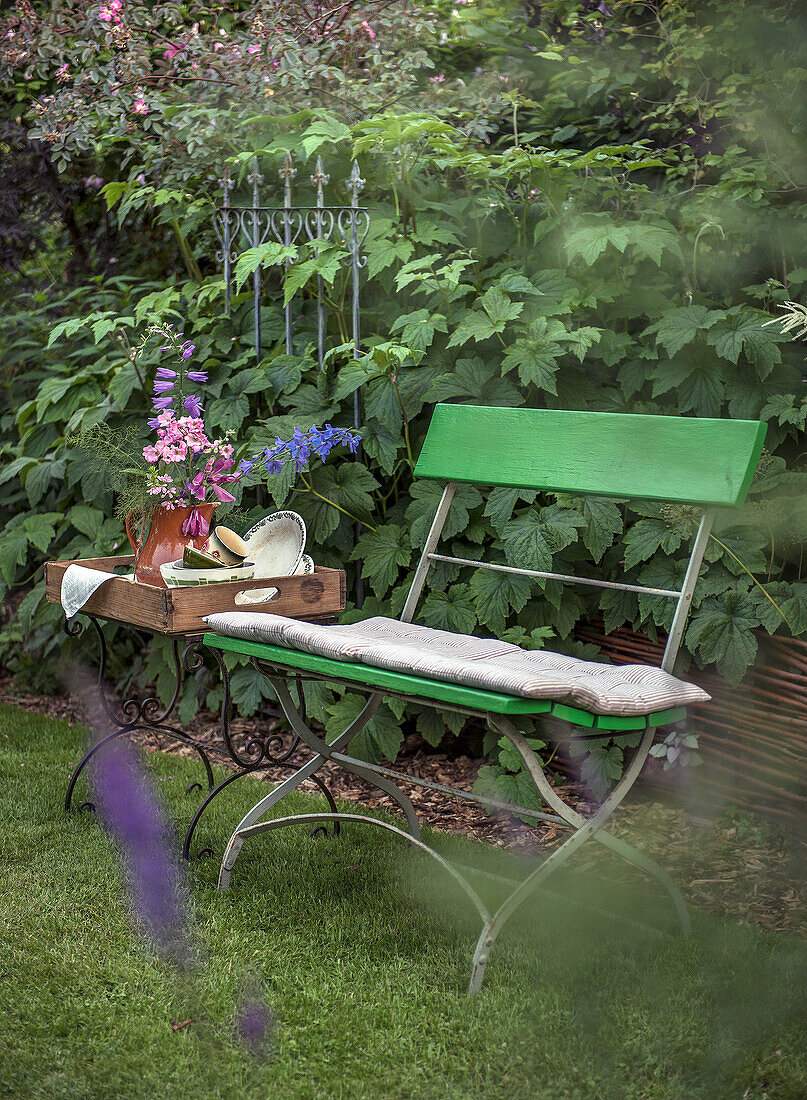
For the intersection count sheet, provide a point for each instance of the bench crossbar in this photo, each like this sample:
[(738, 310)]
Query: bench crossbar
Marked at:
[(567, 578)]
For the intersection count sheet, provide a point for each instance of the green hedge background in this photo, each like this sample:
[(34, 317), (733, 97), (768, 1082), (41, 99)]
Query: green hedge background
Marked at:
[(574, 205)]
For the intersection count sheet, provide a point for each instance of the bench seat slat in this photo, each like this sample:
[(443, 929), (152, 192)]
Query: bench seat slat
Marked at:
[(418, 687)]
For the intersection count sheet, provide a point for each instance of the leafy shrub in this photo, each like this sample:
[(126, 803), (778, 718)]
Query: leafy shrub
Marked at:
[(585, 222)]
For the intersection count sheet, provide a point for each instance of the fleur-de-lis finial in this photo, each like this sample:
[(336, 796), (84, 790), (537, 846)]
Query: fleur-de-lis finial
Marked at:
[(355, 183), (320, 179), (287, 172), (255, 177)]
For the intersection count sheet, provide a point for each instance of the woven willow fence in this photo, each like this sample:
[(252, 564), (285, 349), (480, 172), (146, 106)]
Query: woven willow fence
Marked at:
[(753, 737)]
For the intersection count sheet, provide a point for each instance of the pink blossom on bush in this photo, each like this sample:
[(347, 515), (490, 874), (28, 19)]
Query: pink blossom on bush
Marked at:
[(140, 107)]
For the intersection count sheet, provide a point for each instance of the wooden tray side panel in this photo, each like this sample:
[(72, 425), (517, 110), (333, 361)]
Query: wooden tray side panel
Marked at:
[(119, 599), (182, 610), (299, 597)]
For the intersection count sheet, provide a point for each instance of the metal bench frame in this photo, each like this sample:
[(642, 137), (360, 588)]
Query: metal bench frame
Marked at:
[(278, 664)]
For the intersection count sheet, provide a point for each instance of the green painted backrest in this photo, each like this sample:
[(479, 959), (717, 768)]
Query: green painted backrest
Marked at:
[(672, 458)]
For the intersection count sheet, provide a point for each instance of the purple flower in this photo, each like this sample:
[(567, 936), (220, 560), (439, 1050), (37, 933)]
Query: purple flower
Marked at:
[(188, 351), (245, 466), (154, 423), (162, 385), (132, 815), (162, 402), (166, 372), (193, 405), (254, 1025), (196, 525), (196, 375)]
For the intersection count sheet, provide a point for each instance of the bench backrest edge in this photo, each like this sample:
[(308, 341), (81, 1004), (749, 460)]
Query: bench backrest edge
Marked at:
[(623, 455)]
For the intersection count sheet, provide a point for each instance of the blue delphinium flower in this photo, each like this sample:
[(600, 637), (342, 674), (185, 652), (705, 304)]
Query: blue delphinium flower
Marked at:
[(301, 446), (193, 405), (270, 462)]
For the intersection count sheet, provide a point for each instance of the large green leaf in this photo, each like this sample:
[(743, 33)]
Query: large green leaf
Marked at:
[(425, 498), (502, 501), (382, 553), (531, 540), (721, 632), (743, 330), (453, 610), (646, 536), (603, 522), (591, 241), (681, 325), (382, 736), (497, 594), (417, 329)]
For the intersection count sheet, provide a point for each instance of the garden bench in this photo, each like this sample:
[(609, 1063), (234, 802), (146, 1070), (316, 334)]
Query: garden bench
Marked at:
[(706, 463)]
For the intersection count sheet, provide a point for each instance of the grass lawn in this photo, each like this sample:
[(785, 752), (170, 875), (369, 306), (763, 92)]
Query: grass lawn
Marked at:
[(363, 959)]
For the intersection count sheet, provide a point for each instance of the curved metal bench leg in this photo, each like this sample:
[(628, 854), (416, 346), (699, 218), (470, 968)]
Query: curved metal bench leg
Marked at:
[(316, 744), (236, 842), (650, 867), (186, 847), (577, 821), (489, 931)]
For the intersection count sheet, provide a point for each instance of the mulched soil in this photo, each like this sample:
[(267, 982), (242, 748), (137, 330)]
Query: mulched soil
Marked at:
[(734, 866)]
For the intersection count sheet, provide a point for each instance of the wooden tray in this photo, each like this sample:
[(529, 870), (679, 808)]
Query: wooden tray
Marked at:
[(179, 610)]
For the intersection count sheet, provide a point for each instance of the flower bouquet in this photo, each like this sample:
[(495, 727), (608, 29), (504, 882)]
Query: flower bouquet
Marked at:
[(174, 483)]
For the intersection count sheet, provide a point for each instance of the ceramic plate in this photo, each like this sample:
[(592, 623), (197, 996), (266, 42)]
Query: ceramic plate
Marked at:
[(276, 544)]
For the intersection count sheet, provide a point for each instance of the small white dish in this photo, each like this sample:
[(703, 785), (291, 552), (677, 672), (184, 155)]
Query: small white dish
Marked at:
[(177, 575), (276, 544)]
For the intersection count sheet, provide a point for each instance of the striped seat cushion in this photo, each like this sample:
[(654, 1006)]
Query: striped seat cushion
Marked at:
[(474, 662)]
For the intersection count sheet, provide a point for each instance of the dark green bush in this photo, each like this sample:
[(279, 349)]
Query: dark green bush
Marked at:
[(572, 208)]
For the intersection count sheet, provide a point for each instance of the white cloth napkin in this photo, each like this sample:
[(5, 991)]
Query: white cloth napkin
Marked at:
[(78, 584)]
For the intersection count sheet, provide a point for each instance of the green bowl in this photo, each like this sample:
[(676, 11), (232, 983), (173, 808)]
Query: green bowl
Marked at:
[(198, 559)]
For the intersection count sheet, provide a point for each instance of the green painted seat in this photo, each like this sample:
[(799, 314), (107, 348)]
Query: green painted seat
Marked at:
[(419, 688)]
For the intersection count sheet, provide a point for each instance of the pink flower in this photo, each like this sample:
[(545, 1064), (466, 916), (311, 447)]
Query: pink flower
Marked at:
[(437, 79), (196, 525), (108, 13), (139, 107), (222, 494), (369, 29), (253, 49), (151, 454)]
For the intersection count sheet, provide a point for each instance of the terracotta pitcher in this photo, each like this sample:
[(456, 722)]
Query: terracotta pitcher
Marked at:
[(165, 541)]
